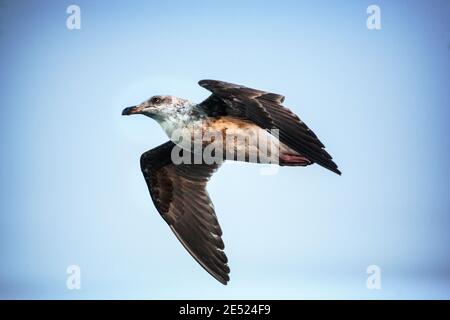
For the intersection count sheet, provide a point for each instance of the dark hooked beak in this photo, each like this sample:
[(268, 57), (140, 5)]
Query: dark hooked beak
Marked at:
[(131, 110)]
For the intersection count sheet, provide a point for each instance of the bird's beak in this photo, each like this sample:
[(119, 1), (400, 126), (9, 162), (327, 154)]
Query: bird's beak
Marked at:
[(131, 110)]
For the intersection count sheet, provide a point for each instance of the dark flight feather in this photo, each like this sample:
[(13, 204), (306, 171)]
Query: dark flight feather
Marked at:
[(180, 196), (265, 110)]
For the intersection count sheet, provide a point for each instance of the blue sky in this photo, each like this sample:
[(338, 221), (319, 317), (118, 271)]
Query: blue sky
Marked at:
[(71, 187)]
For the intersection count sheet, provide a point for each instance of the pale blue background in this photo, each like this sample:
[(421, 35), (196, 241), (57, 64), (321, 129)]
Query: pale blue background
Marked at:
[(71, 187)]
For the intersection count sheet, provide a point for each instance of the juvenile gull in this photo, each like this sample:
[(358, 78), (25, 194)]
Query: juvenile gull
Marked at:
[(179, 190)]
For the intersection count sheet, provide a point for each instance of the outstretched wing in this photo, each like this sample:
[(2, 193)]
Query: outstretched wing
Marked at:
[(180, 196), (265, 110)]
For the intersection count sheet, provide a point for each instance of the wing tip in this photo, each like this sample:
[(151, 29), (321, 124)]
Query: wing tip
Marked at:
[(335, 170), (206, 82), (222, 276), (330, 165), (223, 280)]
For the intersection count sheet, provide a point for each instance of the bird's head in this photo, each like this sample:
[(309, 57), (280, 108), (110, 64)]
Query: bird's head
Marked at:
[(157, 107)]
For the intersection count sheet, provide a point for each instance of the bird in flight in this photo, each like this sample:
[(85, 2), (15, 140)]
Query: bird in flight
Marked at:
[(178, 189)]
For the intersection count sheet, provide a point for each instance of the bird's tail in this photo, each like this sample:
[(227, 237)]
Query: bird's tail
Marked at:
[(288, 159)]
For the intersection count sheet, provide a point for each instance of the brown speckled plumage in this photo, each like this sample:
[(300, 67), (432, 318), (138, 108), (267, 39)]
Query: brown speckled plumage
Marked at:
[(179, 191)]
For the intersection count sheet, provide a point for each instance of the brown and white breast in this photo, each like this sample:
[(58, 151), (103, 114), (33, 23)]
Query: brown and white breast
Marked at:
[(239, 140)]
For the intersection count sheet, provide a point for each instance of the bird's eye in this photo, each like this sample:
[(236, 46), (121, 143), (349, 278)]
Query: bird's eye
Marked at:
[(155, 100)]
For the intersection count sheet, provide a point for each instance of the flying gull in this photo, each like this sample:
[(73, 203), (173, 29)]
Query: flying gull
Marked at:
[(178, 190)]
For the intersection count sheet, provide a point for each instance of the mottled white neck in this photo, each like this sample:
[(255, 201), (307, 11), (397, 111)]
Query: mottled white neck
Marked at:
[(180, 118)]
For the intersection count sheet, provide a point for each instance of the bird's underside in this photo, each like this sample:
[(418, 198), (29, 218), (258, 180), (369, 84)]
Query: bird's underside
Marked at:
[(242, 140), (179, 190)]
